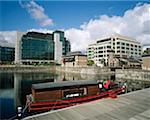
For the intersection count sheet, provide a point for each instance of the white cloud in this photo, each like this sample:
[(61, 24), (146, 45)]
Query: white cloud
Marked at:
[(41, 30), (134, 23), (8, 38), (37, 12)]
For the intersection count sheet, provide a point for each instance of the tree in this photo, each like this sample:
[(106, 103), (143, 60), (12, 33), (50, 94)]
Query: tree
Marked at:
[(90, 62)]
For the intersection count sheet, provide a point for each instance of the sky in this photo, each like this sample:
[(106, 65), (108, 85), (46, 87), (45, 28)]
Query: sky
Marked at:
[(82, 21)]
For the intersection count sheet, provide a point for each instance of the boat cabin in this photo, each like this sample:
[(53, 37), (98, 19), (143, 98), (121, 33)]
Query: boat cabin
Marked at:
[(64, 90)]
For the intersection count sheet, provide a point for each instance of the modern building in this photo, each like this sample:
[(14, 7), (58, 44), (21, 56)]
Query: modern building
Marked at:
[(121, 45), (38, 48), (74, 59), (7, 54)]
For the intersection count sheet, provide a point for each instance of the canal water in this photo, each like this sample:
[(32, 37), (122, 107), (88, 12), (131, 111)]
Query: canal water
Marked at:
[(15, 86)]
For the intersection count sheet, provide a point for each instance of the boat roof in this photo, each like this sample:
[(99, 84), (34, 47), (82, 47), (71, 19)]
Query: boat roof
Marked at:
[(63, 84)]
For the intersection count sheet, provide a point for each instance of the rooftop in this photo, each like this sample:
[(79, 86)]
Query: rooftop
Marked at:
[(63, 84)]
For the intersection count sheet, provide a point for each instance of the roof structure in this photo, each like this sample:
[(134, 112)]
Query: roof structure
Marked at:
[(63, 84)]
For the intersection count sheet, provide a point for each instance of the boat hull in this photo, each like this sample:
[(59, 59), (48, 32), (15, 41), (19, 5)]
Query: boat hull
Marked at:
[(40, 106)]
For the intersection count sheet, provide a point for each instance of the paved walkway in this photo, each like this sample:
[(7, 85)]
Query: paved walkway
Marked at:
[(131, 106)]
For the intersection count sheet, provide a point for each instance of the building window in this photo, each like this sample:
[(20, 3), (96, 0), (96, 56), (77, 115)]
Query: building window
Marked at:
[(118, 47), (122, 47), (122, 43), (127, 44), (100, 51), (108, 46), (100, 48), (100, 56), (118, 43), (123, 51)]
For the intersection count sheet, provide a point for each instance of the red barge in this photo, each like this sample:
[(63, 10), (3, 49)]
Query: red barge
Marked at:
[(50, 96)]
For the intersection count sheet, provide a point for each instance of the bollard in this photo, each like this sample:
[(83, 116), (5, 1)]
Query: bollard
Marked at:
[(19, 112)]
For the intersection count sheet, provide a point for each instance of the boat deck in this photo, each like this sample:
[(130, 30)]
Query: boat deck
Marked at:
[(130, 106)]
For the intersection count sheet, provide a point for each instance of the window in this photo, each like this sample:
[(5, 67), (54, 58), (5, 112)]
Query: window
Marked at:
[(108, 46), (127, 44), (122, 47), (127, 48), (100, 48), (100, 56), (122, 43), (118, 43), (100, 51), (123, 51), (118, 47)]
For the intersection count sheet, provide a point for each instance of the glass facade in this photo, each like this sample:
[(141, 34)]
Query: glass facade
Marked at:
[(37, 46), (40, 46), (7, 54), (65, 43)]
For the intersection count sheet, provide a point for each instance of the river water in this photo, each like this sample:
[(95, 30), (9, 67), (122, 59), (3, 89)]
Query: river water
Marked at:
[(15, 86)]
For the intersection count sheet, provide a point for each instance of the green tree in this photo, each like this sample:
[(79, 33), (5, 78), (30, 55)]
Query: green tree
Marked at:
[(90, 62)]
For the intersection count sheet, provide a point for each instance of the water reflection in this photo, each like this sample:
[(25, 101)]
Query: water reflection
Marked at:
[(15, 86)]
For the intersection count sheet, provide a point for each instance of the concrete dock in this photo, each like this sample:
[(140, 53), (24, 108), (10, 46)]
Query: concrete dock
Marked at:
[(130, 106)]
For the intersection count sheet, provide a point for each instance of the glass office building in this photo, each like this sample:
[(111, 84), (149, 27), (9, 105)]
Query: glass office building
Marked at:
[(37, 46), (7, 54)]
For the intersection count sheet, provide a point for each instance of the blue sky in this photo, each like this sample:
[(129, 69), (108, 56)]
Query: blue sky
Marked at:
[(83, 22), (64, 14)]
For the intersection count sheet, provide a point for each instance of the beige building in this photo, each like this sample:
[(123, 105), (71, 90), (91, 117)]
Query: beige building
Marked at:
[(121, 45), (146, 59), (116, 61), (74, 59)]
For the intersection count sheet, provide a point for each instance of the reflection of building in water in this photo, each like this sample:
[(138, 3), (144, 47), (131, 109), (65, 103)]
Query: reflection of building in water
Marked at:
[(6, 85), (17, 88), (76, 76)]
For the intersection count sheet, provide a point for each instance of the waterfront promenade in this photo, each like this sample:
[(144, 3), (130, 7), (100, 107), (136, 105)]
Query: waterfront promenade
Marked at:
[(130, 106)]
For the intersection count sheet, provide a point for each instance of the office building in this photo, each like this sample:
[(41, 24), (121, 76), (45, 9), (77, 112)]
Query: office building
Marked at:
[(39, 48), (7, 54), (122, 46), (74, 59)]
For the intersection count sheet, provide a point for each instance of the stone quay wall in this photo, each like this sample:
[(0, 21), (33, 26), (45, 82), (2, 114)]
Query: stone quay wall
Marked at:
[(84, 70), (133, 74), (20, 69)]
